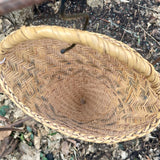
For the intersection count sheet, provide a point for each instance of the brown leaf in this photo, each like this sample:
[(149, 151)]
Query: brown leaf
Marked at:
[(7, 146), (4, 134), (4, 119), (37, 140), (65, 148), (28, 152), (72, 141)]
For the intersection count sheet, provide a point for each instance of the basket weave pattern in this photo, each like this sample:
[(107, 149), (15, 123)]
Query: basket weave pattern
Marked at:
[(90, 93)]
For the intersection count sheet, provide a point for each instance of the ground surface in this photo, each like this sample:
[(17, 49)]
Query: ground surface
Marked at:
[(134, 22)]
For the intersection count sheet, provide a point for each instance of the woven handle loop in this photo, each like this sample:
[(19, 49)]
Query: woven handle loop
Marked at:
[(103, 44)]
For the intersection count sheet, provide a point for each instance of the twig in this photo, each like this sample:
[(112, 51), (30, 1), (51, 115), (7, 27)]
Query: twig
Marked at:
[(148, 158), (7, 146), (19, 121), (147, 8), (156, 61), (9, 129), (124, 32), (149, 34), (116, 25), (3, 118), (104, 20)]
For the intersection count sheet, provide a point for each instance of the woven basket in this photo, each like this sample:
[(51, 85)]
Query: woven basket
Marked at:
[(100, 91)]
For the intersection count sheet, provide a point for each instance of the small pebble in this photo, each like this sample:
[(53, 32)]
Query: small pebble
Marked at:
[(124, 154)]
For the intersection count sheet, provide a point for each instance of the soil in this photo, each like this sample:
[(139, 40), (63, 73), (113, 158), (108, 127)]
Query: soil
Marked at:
[(134, 22)]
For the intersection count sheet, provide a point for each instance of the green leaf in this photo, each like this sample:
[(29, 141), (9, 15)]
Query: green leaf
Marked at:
[(44, 158), (30, 143), (3, 110), (139, 41), (41, 155), (22, 137), (32, 136), (121, 146), (54, 133), (71, 158), (29, 129)]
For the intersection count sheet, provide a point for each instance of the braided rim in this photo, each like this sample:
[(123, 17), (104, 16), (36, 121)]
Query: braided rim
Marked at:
[(104, 45)]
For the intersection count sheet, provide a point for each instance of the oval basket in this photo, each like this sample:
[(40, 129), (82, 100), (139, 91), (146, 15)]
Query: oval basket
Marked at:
[(100, 91)]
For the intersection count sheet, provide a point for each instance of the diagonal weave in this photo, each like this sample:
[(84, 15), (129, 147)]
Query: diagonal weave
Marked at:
[(100, 91)]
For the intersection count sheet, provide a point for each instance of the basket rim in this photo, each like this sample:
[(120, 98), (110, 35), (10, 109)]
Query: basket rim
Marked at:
[(102, 43)]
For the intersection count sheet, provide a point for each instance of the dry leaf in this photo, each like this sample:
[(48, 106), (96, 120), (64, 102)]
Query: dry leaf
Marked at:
[(7, 146), (28, 153), (4, 134), (90, 149), (37, 142), (3, 119), (95, 3), (72, 141), (107, 1), (65, 148)]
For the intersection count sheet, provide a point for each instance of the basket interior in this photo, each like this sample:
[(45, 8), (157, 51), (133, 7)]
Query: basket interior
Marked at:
[(81, 90)]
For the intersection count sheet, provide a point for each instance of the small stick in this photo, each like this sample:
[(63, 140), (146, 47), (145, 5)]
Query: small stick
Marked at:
[(9, 129), (3, 118), (104, 20), (11, 5), (72, 17), (114, 24), (147, 8), (124, 33), (156, 61), (149, 34), (19, 121)]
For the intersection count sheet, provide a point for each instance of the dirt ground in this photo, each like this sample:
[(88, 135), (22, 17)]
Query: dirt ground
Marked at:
[(134, 22)]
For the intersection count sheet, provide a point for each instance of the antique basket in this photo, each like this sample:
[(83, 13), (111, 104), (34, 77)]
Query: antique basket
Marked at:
[(101, 91)]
